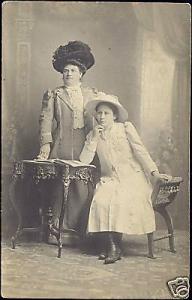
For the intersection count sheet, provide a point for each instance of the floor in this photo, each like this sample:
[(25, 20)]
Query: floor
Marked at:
[(32, 270)]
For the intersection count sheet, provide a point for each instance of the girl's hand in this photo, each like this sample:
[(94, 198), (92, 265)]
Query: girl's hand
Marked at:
[(159, 176), (97, 131), (44, 152)]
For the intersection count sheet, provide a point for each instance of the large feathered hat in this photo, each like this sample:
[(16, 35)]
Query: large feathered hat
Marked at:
[(75, 52)]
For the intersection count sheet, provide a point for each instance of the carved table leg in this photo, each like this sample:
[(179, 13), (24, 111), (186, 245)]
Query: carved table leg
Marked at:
[(86, 208), (169, 224), (41, 231), (12, 197), (150, 245), (40, 211), (66, 183), (49, 223)]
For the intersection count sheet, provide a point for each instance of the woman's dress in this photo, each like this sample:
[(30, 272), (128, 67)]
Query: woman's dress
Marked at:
[(122, 198)]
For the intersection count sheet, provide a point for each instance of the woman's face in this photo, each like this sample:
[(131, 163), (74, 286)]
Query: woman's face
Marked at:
[(105, 115), (71, 75)]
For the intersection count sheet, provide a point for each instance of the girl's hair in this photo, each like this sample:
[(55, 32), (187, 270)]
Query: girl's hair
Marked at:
[(110, 105)]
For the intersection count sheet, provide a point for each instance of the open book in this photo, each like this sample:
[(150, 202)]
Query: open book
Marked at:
[(72, 163), (34, 161)]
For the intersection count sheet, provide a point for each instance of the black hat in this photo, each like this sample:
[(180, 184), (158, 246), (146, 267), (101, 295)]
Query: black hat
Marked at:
[(75, 52)]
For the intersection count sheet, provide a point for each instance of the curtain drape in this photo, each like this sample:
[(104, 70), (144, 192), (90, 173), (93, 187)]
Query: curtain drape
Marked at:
[(171, 24)]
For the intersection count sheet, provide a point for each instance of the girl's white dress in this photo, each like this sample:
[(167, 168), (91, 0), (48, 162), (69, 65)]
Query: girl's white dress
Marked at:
[(122, 198)]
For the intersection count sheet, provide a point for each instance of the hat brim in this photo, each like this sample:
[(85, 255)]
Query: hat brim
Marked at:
[(121, 111)]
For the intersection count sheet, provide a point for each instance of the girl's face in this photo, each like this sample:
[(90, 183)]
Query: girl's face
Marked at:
[(105, 116), (71, 75)]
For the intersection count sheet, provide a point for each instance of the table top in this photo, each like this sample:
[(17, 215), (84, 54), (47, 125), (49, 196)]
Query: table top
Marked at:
[(72, 163)]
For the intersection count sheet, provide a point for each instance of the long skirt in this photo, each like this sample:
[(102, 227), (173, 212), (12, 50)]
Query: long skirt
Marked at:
[(123, 204), (76, 215)]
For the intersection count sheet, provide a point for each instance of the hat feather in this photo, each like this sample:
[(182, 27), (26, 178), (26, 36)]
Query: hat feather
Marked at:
[(74, 50)]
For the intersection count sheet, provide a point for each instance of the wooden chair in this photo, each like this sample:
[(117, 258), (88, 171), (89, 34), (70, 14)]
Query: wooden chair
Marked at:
[(163, 194)]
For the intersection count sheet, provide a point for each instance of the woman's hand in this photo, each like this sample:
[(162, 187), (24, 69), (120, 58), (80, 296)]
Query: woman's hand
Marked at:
[(159, 176), (97, 131), (44, 152)]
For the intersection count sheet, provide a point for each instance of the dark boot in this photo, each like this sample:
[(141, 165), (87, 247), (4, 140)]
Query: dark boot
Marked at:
[(102, 240), (114, 252), (103, 255), (118, 240)]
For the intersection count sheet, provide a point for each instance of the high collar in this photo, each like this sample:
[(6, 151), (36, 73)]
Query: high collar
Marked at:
[(74, 87), (106, 133), (108, 129)]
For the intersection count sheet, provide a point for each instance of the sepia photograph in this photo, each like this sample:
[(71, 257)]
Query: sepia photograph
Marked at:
[(95, 200)]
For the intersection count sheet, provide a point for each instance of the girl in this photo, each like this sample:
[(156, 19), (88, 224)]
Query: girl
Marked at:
[(122, 198)]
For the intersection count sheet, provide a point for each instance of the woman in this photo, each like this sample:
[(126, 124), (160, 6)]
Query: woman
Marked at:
[(63, 125), (122, 199)]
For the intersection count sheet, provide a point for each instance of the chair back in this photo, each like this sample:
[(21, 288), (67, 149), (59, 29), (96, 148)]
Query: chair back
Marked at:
[(164, 192)]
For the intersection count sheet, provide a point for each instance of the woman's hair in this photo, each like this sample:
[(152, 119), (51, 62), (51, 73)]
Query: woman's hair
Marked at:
[(110, 105), (80, 66)]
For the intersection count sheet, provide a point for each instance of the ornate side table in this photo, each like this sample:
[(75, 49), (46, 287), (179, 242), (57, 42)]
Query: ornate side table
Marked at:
[(29, 170), (164, 193), (67, 171), (64, 170)]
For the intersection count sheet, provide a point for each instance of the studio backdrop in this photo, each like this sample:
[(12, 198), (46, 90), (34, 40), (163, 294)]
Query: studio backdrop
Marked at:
[(141, 55)]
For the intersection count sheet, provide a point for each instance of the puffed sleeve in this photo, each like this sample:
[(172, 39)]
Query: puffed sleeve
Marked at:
[(89, 149), (139, 150), (46, 118)]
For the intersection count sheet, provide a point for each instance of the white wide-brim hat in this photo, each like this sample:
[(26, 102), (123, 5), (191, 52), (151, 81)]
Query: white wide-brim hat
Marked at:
[(90, 107)]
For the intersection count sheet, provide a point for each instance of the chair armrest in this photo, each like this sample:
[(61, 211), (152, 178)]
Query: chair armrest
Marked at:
[(164, 192)]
